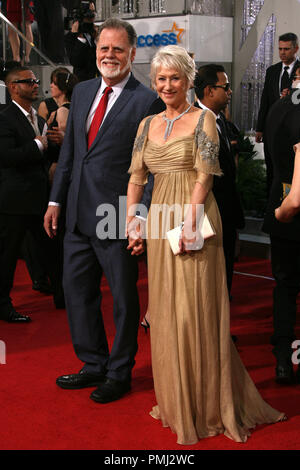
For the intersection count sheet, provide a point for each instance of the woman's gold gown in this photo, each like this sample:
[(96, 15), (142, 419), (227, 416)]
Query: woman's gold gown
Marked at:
[(202, 388)]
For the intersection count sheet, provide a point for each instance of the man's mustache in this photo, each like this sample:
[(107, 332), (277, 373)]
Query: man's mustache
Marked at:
[(113, 62)]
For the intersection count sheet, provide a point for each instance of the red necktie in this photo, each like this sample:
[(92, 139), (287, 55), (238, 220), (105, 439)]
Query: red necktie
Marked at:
[(98, 116)]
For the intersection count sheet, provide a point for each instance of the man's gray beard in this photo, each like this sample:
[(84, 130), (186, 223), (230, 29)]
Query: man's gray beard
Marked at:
[(113, 74), (109, 73)]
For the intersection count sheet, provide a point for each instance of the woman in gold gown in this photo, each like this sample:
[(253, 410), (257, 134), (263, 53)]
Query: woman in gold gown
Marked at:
[(201, 386)]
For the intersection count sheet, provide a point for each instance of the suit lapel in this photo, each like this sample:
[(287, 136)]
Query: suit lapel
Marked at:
[(223, 142), (276, 78), (86, 103), (24, 124), (82, 111), (88, 99)]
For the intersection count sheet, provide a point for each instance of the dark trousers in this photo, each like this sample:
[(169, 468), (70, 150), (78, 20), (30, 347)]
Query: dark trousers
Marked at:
[(13, 229), (86, 259), (269, 166), (229, 240), (30, 253), (53, 269), (285, 258)]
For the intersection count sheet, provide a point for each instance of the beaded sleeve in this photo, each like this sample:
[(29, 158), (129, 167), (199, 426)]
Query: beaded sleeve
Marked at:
[(206, 145), (138, 169)]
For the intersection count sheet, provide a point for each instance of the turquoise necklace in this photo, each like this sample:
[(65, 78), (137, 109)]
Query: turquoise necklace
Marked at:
[(170, 122)]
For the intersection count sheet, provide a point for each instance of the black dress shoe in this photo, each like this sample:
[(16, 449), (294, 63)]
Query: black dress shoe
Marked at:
[(14, 317), (42, 286), (110, 390), (284, 373), (81, 380)]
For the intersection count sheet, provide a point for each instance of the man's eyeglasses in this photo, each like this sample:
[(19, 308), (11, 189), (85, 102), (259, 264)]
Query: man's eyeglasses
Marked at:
[(29, 81), (225, 87)]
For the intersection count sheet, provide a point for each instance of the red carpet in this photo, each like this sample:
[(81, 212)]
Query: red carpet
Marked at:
[(36, 414)]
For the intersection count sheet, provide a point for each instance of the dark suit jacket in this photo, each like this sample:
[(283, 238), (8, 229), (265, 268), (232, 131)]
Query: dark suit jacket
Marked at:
[(283, 131), (23, 168), (88, 178), (270, 93), (224, 187)]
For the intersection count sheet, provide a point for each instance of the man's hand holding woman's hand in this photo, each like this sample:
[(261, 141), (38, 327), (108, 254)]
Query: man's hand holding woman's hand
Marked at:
[(135, 230)]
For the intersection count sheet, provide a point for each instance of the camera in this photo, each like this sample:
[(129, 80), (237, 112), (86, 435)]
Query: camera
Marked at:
[(84, 15)]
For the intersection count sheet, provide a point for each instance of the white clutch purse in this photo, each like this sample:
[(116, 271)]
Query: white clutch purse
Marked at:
[(174, 235)]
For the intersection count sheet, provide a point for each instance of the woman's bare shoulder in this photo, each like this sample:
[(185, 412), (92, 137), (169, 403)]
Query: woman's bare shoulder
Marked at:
[(62, 114)]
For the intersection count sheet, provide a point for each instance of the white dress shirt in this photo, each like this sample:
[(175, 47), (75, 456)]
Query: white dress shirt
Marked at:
[(289, 71), (34, 124)]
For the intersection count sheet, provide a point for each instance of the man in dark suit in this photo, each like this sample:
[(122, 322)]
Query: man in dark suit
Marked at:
[(277, 83), (24, 180), (29, 251), (283, 132), (91, 175), (213, 92)]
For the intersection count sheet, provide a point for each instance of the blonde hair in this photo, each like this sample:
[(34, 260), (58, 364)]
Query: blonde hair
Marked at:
[(173, 57)]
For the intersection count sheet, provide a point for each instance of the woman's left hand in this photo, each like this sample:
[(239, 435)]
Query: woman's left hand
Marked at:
[(188, 245), (182, 243)]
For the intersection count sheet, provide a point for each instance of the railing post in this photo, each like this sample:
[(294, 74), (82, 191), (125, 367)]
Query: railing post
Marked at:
[(22, 36), (4, 34), (24, 31)]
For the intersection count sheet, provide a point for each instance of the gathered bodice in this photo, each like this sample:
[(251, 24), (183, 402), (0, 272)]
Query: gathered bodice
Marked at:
[(175, 155)]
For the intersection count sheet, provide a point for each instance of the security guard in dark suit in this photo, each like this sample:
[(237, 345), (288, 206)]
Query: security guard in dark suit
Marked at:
[(283, 132), (277, 83), (23, 180)]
